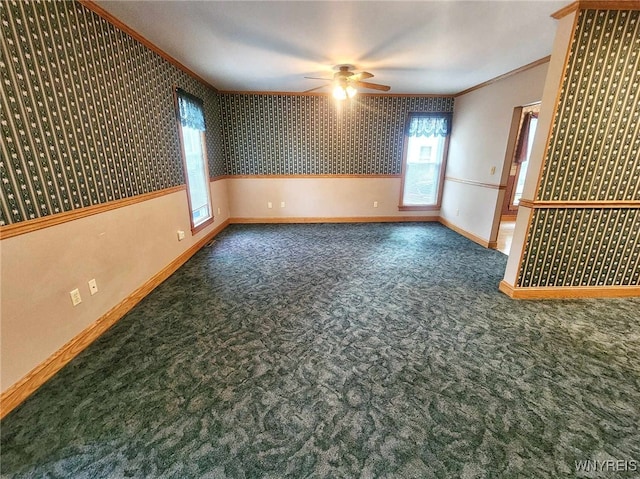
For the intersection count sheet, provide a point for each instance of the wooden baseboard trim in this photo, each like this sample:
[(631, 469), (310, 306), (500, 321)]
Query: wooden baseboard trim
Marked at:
[(16, 394), (470, 236), (334, 219), (569, 292), (506, 288)]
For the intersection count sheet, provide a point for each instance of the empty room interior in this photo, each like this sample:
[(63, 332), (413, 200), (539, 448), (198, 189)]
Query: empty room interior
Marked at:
[(320, 239)]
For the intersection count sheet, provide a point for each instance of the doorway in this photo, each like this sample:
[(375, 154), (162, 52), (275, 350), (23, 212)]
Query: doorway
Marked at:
[(523, 128), (519, 162)]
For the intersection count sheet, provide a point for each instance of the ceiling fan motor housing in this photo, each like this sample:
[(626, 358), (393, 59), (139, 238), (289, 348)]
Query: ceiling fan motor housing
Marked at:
[(344, 77), (343, 74)]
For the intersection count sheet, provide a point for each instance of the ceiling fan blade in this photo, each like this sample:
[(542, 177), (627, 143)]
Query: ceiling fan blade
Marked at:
[(318, 78), (316, 88), (372, 86), (361, 76)]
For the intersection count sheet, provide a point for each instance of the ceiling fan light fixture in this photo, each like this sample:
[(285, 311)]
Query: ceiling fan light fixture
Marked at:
[(345, 82), (351, 92), (341, 92)]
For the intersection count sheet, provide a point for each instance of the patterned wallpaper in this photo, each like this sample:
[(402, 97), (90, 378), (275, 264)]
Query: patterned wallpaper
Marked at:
[(303, 134), (583, 247), (87, 113), (594, 152), (594, 155)]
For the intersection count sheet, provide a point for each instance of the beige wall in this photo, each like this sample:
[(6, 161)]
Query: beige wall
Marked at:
[(467, 206), (552, 84), (481, 124), (121, 249), (316, 197)]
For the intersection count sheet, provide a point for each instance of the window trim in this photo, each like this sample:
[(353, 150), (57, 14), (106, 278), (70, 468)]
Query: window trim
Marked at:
[(203, 140), (512, 195), (443, 165)]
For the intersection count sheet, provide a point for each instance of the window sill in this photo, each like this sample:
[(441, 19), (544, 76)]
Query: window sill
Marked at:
[(202, 226), (418, 207)]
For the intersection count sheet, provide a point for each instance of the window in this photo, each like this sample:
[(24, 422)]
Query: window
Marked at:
[(525, 142), (194, 153), (425, 150)]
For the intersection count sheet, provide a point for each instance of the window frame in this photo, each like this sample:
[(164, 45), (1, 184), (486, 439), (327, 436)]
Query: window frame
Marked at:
[(205, 159), (513, 207), (443, 164)]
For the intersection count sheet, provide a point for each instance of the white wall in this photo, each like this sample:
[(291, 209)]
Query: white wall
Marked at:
[(481, 124), (466, 206), (346, 197), (121, 249), (547, 110)]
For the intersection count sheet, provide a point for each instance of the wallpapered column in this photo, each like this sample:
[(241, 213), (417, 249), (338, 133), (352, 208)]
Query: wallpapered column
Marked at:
[(87, 113), (585, 225)]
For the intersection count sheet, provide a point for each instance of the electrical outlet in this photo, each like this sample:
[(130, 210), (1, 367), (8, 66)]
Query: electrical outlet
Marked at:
[(282, 204), (458, 212), (375, 204), (75, 297), (93, 287), (493, 170), (180, 235), (218, 210), (269, 204)]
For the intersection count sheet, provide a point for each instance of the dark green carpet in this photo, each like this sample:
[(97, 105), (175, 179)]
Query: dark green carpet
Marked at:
[(340, 351)]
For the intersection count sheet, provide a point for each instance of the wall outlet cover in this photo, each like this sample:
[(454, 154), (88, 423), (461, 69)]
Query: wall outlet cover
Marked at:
[(75, 297)]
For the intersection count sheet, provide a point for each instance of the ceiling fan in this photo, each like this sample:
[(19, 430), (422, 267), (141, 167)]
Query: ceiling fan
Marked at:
[(345, 81)]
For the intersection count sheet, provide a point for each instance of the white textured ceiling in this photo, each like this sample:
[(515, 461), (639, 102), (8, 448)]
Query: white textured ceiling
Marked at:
[(436, 47)]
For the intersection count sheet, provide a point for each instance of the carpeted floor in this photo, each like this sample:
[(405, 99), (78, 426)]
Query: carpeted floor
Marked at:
[(377, 350)]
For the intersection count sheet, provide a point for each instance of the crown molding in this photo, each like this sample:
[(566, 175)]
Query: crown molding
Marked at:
[(101, 12), (504, 76), (596, 5), (328, 94)]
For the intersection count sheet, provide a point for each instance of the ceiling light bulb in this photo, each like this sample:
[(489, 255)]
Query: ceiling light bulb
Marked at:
[(351, 92), (339, 93)]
